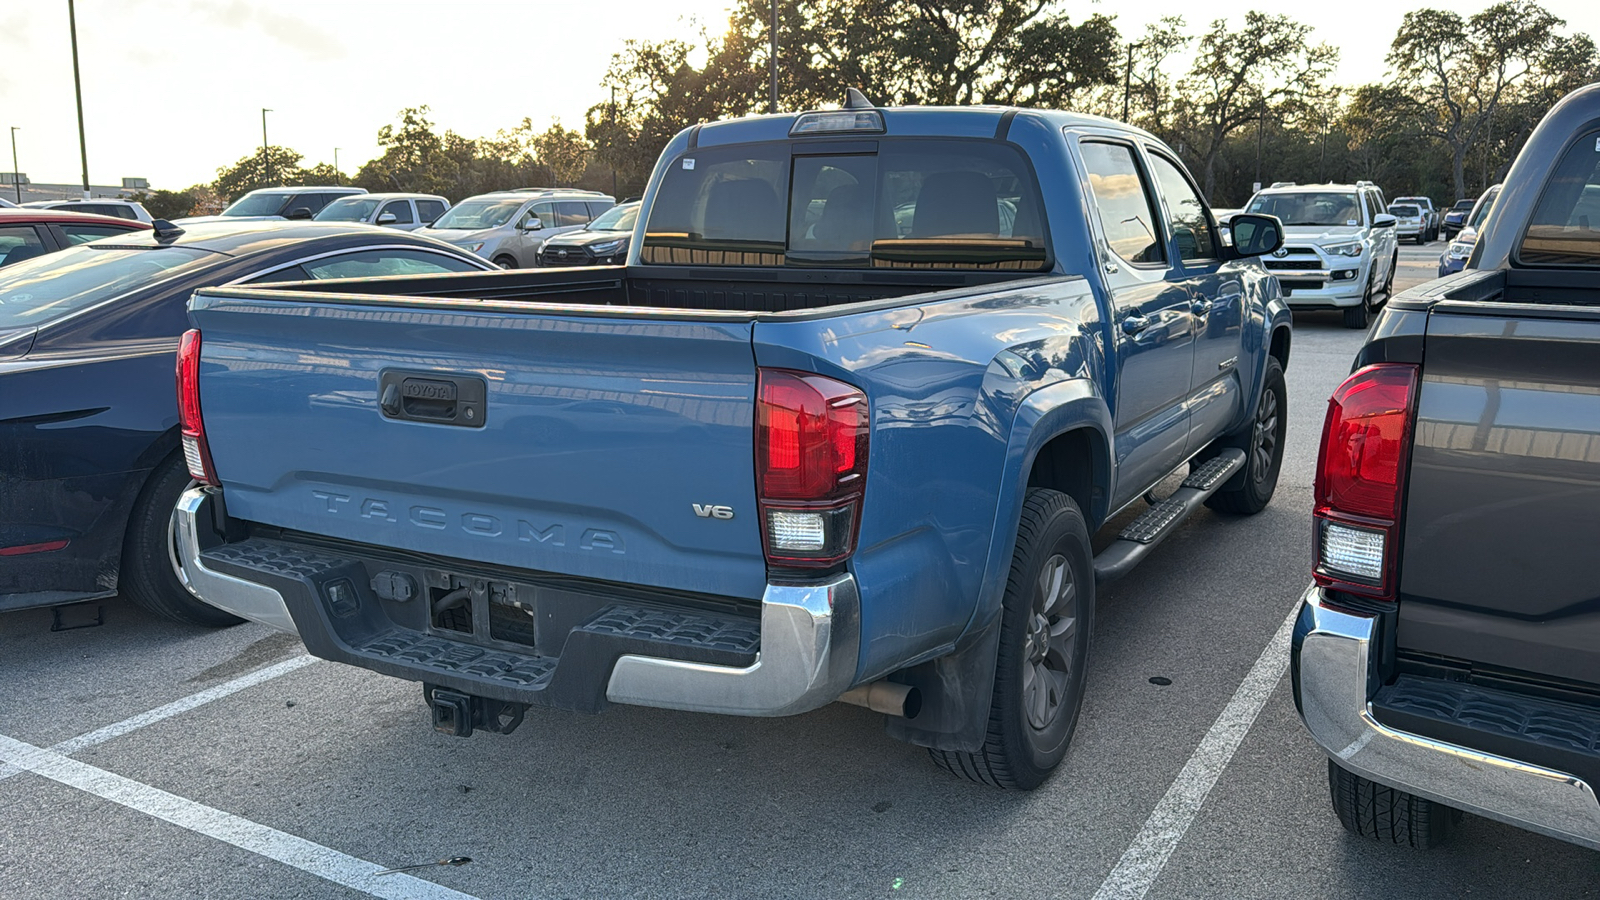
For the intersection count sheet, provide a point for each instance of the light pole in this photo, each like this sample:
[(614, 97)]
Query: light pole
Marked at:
[(772, 57), (336, 176), (266, 156), (77, 90), (16, 177), (1261, 118), (1127, 79)]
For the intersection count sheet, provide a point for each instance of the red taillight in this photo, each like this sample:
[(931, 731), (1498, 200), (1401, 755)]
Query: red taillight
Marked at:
[(196, 452), (811, 466), (1361, 474)]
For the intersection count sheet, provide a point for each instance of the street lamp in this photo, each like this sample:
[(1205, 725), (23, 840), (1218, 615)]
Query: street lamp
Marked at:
[(266, 157), (336, 176), (1127, 79), (772, 57), (16, 178)]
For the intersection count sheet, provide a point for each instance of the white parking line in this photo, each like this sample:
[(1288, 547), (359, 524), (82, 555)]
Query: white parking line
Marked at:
[(323, 862), (1144, 859), (181, 705)]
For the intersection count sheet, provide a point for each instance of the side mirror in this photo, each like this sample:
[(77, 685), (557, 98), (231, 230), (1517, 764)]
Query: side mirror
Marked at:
[(1383, 220), (299, 212), (386, 219), (533, 224), (1255, 235)]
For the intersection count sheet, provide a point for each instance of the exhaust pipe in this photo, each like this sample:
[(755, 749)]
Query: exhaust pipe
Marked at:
[(888, 697)]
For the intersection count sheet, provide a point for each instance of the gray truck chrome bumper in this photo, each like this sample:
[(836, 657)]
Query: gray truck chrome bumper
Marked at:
[(1333, 658), (810, 639), (247, 599)]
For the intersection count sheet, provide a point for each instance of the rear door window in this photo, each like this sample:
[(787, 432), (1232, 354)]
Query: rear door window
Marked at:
[(19, 242), (1565, 227), (78, 233), (429, 210), (1123, 203), (571, 212), (390, 261), (882, 204)]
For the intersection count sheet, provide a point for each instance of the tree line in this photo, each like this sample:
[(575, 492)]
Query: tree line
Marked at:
[(1242, 103)]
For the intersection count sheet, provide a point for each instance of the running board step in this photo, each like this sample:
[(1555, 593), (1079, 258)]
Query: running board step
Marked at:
[(1161, 519)]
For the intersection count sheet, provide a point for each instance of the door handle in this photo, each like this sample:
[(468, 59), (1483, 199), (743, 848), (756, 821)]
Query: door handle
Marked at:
[(1110, 268), (1200, 306), (1134, 323)]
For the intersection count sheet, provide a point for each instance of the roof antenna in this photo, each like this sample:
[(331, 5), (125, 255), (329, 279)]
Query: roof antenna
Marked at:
[(854, 99)]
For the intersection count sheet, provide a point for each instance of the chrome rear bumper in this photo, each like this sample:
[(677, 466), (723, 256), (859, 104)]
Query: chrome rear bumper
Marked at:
[(810, 639), (1333, 659)]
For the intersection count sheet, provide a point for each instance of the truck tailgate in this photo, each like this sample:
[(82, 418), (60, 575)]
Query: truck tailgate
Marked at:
[(532, 437), (1499, 563)]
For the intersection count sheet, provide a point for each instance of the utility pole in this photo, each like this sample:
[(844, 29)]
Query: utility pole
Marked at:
[(772, 57), (1127, 83), (337, 178), (16, 177), (77, 89), (1322, 162), (613, 138), (1261, 118), (266, 155)]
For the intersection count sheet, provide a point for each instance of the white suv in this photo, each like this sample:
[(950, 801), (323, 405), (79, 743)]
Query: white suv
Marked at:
[(508, 227), (1339, 246)]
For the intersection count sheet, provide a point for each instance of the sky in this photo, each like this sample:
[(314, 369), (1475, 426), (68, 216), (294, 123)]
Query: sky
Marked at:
[(173, 89)]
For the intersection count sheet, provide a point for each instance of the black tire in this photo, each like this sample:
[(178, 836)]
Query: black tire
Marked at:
[(1262, 441), (1044, 650), (149, 575), (1388, 283), (505, 262), (1371, 810), (1356, 316)]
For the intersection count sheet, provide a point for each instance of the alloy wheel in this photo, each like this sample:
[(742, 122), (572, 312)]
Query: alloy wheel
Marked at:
[(1050, 657)]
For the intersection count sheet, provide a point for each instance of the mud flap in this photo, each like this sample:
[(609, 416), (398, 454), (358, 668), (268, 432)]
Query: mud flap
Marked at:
[(957, 693)]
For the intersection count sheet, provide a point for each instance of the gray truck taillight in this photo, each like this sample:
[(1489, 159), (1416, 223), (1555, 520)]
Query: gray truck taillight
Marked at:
[(1361, 477), (196, 452), (811, 466)]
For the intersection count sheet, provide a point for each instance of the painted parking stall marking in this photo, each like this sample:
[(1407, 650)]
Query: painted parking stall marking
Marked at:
[(1144, 859), (307, 856)]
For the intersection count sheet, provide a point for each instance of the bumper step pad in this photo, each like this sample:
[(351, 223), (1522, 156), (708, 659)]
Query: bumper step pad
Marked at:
[(1550, 733), (473, 664)]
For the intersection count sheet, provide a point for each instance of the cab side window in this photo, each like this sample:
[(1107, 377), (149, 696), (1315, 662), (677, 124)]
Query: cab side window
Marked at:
[(429, 209), (401, 210), (1191, 226), (1122, 202)]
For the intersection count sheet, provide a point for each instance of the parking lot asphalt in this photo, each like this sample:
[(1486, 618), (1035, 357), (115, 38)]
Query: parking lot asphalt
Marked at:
[(194, 763)]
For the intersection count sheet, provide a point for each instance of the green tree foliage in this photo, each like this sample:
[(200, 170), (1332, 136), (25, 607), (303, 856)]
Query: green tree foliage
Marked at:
[(251, 172), (1456, 73), (1240, 77), (166, 204)]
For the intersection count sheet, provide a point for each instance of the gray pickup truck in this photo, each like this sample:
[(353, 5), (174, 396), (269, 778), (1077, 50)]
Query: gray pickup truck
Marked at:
[(1447, 657)]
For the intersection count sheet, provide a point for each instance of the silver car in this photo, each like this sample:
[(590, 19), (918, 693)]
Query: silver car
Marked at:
[(406, 212), (508, 227)]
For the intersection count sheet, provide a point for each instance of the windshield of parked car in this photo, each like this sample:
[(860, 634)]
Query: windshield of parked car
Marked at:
[(617, 218), (1481, 210), (911, 204), (478, 213), (45, 288), (348, 209), (1328, 208), (1405, 212), (256, 204), (1464, 205)]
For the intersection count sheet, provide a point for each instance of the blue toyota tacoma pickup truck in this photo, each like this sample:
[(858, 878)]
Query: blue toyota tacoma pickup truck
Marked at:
[(841, 429)]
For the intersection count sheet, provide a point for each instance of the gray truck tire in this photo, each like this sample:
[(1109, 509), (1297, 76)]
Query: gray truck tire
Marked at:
[(1261, 439), (148, 576), (1371, 810), (1045, 622)]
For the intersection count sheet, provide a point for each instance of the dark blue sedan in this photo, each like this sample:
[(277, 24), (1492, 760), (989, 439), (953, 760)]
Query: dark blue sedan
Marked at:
[(90, 463)]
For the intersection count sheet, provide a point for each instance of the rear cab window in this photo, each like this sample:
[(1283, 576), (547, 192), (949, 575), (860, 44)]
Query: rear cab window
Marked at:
[(1565, 227), (888, 203)]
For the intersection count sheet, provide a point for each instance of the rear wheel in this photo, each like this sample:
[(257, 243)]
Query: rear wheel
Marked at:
[(1371, 810), (1262, 442), (1044, 648), (150, 575), (505, 262)]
